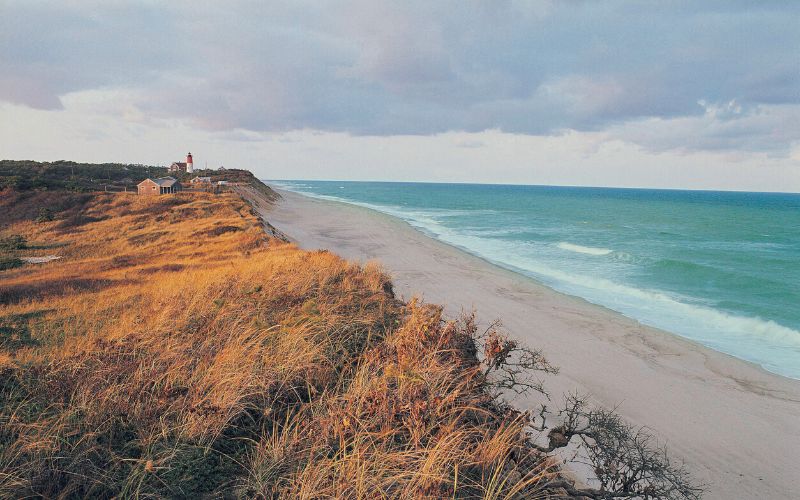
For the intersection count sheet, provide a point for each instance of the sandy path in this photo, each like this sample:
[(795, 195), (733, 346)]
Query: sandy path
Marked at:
[(736, 426)]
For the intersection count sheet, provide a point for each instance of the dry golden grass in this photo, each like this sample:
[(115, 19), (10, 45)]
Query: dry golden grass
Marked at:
[(175, 351)]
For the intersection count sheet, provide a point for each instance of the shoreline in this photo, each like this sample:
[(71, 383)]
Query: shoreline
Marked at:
[(734, 423), (520, 274), (721, 348)]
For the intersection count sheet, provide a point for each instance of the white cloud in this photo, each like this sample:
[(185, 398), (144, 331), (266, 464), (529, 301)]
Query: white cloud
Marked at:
[(507, 91)]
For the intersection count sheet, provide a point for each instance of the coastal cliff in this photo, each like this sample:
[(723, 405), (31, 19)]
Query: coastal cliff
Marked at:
[(175, 348)]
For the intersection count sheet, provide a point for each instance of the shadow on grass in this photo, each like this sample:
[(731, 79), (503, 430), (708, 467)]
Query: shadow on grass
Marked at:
[(15, 329), (11, 294)]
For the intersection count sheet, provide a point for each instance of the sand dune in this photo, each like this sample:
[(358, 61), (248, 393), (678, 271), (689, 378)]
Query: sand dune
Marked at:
[(736, 426)]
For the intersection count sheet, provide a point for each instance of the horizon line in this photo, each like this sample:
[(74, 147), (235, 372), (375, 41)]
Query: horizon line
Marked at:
[(632, 188)]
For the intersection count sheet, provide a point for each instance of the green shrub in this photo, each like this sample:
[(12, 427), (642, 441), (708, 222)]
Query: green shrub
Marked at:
[(45, 215), (9, 263), (13, 242)]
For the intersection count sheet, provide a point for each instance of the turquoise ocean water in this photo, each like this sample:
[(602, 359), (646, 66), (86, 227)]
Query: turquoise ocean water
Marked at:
[(720, 268)]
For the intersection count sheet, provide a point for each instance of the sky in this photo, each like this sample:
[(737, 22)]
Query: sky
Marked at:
[(695, 95)]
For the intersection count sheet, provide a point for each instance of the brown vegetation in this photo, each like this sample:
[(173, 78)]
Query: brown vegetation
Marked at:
[(167, 355), (181, 357)]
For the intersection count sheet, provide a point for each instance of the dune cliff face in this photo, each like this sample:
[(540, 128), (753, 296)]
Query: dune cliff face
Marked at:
[(178, 345), (177, 349)]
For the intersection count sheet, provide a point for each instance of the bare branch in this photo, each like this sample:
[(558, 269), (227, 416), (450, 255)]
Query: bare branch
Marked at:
[(511, 365), (626, 460)]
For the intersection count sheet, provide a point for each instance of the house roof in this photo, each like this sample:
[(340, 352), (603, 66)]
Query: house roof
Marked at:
[(162, 181), (166, 181), (179, 163)]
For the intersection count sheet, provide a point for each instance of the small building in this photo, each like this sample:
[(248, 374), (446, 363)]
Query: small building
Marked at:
[(222, 183), (179, 166), (201, 180), (162, 185)]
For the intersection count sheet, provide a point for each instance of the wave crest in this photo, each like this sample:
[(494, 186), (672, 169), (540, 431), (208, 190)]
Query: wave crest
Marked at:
[(564, 245)]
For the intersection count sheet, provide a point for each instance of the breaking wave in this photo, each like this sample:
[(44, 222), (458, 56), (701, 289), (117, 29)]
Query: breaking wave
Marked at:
[(582, 249)]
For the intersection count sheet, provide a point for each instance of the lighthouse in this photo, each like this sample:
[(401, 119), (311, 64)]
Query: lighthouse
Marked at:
[(189, 164)]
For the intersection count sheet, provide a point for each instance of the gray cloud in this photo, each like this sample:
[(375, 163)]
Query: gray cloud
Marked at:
[(731, 126), (379, 68), (49, 50)]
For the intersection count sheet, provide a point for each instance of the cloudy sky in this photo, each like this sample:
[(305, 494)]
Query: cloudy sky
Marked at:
[(662, 93)]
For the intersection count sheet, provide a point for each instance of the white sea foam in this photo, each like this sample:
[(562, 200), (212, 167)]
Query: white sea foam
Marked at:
[(773, 346), (582, 249), (728, 332)]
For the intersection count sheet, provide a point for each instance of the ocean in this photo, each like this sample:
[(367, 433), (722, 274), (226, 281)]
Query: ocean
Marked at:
[(719, 268)]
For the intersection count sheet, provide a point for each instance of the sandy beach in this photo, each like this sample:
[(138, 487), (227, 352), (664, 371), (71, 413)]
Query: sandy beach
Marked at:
[(736, 426)]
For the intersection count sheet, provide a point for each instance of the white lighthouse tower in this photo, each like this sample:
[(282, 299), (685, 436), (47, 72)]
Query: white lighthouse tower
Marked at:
[(189, 164)]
